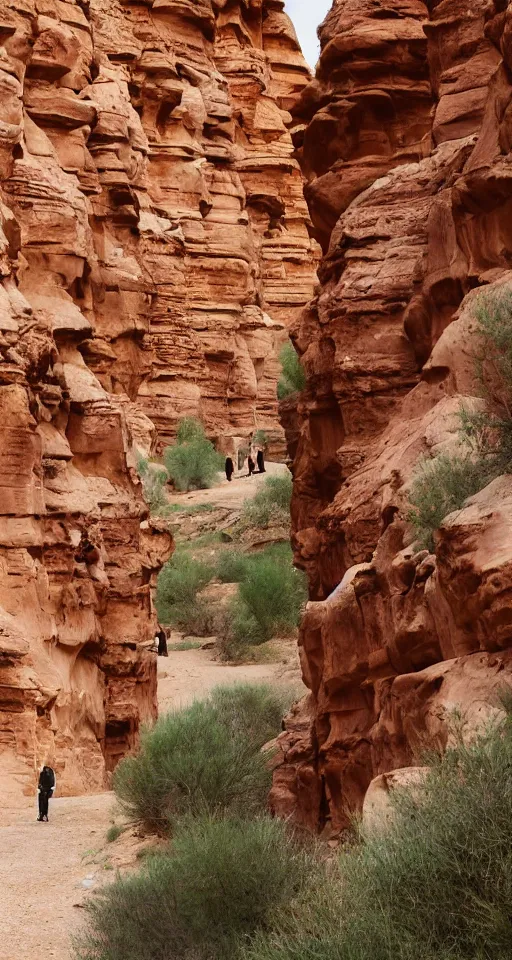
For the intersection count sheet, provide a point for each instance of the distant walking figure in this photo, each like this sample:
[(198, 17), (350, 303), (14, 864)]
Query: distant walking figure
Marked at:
[(230, 468), (251, 464), (261, 461), (162, 643), (46, 786)]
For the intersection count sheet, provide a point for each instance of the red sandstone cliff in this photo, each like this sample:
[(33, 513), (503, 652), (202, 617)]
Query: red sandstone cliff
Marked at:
[(405, 139), (153, 243)]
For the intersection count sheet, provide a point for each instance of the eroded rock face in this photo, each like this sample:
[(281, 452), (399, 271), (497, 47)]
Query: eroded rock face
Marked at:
[(153, 244), (405, 138)]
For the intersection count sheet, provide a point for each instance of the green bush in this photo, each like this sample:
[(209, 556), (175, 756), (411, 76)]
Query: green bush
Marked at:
[(218, 883), (178, 584), (192, 463), (293, 377), (232, 566), (260, 439), (154, 479), (441, 486), (271, 504), (114, 832), (436, 886), (204, 759), (251, 710), (270, 599)]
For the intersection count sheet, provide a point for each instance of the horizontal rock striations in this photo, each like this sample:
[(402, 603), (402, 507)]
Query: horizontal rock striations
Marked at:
[(153, 245), (405, 138)]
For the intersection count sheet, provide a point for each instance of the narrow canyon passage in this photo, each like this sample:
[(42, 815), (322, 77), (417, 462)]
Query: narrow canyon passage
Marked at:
[(47, 869)]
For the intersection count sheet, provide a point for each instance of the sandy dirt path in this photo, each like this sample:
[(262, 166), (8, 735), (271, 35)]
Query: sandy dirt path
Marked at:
[(189, 675), (230, 495), (42, 869)]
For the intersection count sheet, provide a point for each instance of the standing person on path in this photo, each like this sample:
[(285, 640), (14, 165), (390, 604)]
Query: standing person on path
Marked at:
[(162, 643), (260, 459), (230, 468), (251, 465), (46, 787)]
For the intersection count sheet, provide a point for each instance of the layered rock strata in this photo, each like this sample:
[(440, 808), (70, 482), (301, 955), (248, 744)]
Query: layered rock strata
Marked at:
[(405, 137), (153, 243)]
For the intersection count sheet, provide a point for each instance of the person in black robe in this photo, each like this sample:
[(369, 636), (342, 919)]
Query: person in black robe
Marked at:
[(261, 462), (230, 468), (45, 787), (251, 464), (162, 643)]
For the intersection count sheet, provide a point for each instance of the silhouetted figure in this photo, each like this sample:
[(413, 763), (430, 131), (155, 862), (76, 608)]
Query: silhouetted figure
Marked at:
[(46, 786), (230, 468), (162, 643), (241, 458), (260, 459), (251, 464)]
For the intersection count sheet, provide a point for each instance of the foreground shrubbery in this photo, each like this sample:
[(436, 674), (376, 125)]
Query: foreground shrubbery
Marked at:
[(193, 462), (218, 883), (436, 886), (203, 760), (444, 483), (293, 377)]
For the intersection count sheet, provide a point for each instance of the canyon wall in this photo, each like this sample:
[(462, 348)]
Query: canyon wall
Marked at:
[(405, 138), (153, 245)]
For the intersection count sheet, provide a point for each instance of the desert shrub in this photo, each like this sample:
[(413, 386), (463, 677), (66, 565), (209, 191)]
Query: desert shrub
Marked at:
[(260, 439), (178, 584), (154, 479), (232, 566), (218, 883), (114, 832), (184, 645), (488, 432), (441, 486), (436, 885), (270, 599), (271, 504), (293, 377), (494, 325), (251, 710), (192, 462), (204, 759)]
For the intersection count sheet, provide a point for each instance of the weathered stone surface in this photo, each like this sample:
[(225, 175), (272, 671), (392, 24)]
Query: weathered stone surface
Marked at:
[(404, 137), (153, 245)]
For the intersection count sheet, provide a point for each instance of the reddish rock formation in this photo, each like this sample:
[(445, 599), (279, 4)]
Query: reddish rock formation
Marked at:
[(405, 138), (153, 242)]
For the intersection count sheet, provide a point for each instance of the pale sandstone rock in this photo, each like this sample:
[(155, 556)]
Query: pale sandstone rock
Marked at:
[(404, 137), (378, 803)]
